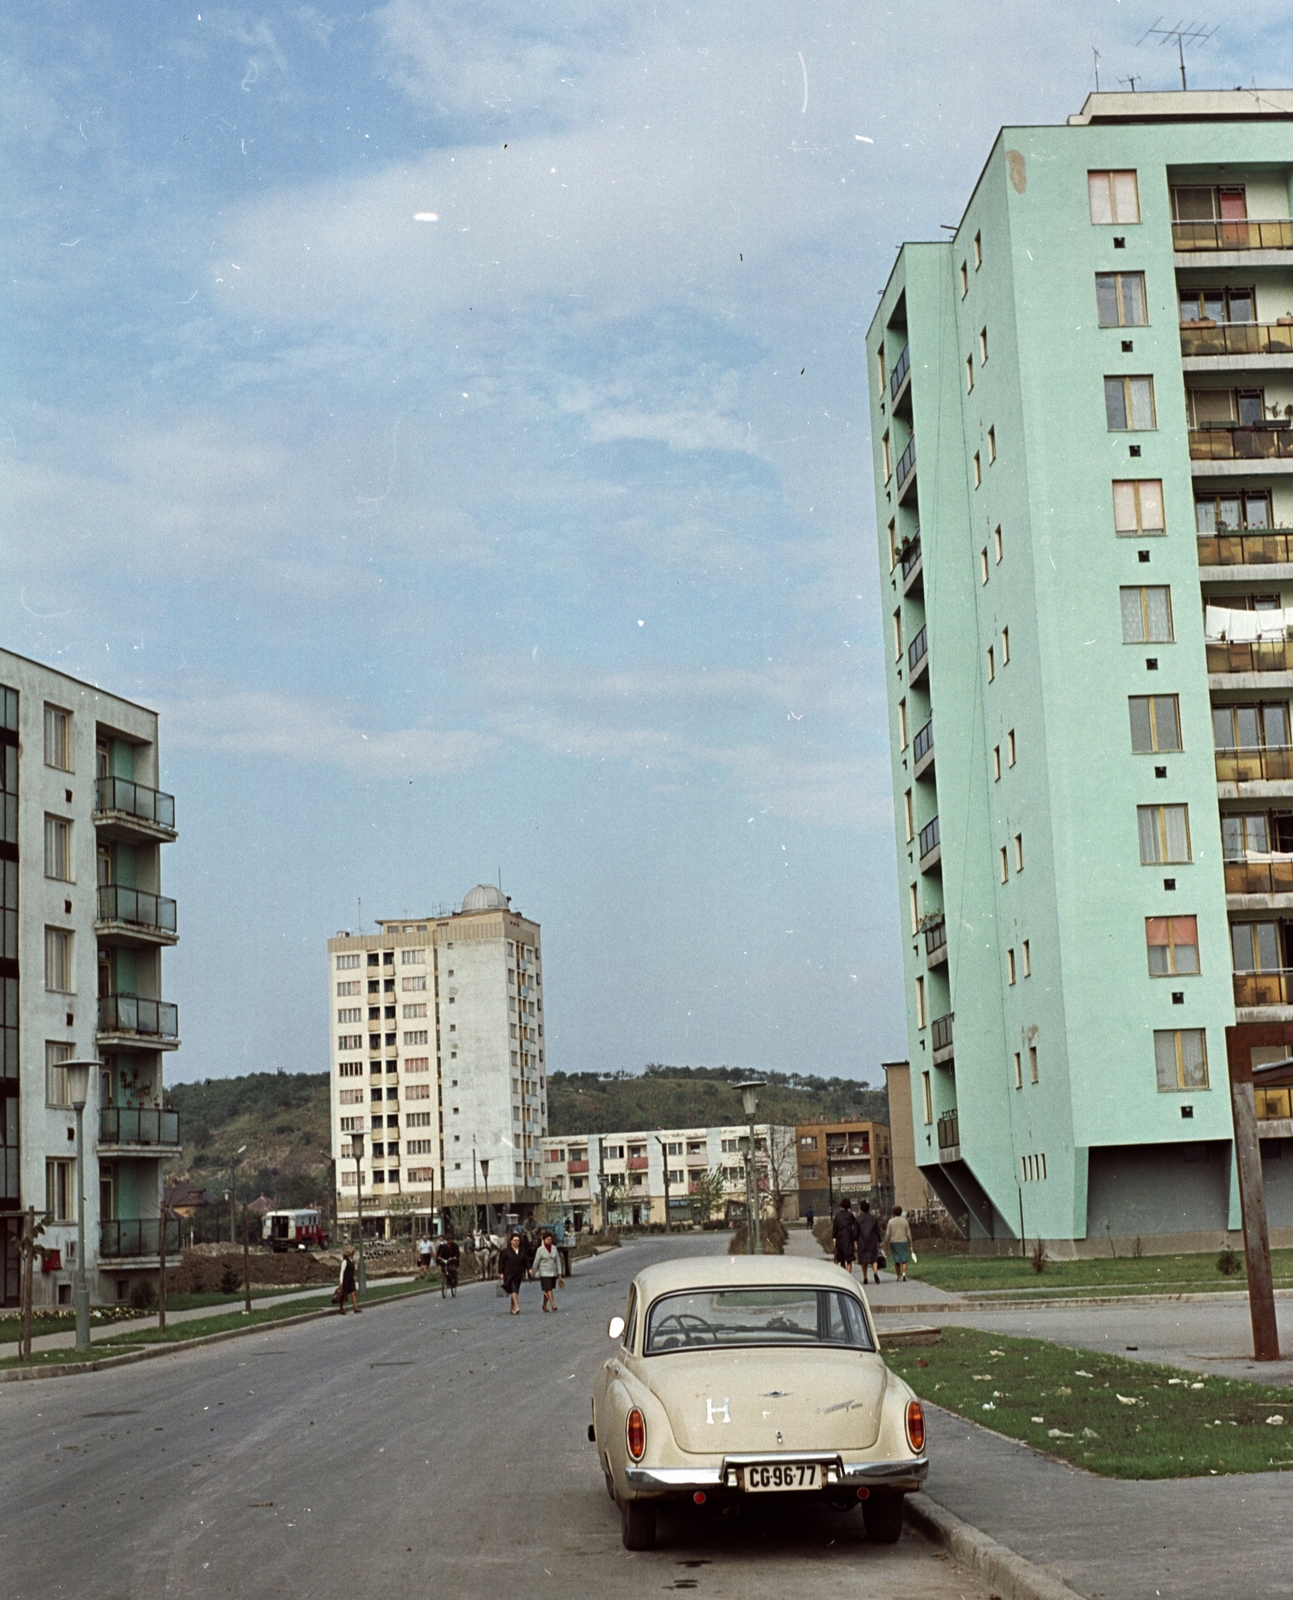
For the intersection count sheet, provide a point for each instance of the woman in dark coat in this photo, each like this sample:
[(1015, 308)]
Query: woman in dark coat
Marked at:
[(511, 1269), (868, 1242), (845, 1229), (346, 1282)]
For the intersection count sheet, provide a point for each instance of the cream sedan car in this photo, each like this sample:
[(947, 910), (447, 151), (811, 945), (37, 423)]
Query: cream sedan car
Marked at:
[(752, 1375)]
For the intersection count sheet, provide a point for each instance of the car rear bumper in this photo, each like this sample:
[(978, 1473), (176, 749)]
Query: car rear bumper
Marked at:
[(838, 1473)]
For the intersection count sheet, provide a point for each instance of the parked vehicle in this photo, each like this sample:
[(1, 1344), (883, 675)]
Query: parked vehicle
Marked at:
[(293, 1230)]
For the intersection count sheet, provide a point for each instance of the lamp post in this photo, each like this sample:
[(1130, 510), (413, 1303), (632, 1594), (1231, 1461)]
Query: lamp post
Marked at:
[(357, 1150), (475, 1192), (78, 1087), (750, 1104), (484, 1172), (743, 1145), (233, 1193), (664, 1156)]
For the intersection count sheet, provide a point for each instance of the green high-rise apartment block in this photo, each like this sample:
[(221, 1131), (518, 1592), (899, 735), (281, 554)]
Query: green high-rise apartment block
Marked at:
[(1082, 408)]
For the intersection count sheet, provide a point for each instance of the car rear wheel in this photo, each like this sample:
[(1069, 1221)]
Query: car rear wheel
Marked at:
[(638, 1525), (882, 1515)]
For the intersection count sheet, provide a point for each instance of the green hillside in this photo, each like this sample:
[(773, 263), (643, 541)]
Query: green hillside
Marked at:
[(282, 1118)]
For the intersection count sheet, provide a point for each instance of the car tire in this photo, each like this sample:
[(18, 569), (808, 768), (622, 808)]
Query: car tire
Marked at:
[(610, 1485), (882, 1516), (638, 1525)]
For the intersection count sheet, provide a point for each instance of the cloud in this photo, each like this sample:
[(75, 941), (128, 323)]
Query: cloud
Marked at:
[(295, 728)]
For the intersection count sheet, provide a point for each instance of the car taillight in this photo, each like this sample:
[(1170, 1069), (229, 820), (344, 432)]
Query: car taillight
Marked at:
[(915, 1425), (637, 1434)]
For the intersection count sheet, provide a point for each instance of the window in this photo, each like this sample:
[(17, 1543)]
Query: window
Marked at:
[(56, 1074), (350, 1097), (965, 280), (996, 540), (909, 816), (1113, 197), (983, 565), (349, 987), (1256, 947), (413, 958), (1219, 305), (1138, 508), (920, 1002), (1164, 834), (1195, 203), (350, 1014), (897, 635), (1003, 864), (350, 1069), (983, 346), (978, 470), (1242, 508), (1251, 727), (415, 1011), (1010, 748), (60, 1190), (996, 763), (1181, 1058), (992, 664), (1224, 408), (350, 1041), (893, 545), (374, 960), (992, 445), (1173, 944), (58, 738), (1005, 647), (1027, 953), (410, 985), (913, 907), (902, 725), (879, 361), (978, 251), (886, 452), (1129, 405), (927, 1095), (1120, 299), (59, 977), (1155, 722), (1010, 966), (1032, 1063), (1019, 1070), (346, 963), (1146, 615), (1019, 852), (58, 849), (414, 1091), (969, 374)]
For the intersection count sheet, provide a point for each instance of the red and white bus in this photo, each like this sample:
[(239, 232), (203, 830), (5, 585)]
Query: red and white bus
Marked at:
[(293, 1230)]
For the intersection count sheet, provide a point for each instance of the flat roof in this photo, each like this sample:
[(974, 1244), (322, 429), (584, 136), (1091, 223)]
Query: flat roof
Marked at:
[(1186, 105)]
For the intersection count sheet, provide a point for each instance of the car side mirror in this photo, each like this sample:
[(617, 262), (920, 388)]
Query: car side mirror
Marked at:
[(616, 1328)]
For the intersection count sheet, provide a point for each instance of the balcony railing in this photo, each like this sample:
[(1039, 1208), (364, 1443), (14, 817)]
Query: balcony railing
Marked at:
[(940, 1032), (636, 1164), (122, 795), (906, 463), (1273, 1105), (900, 371), (1253, 442), (1244, 234), (576, 1166), (911, 555), (137, 907), (1259, 877), (917, 650), (949, 1130), (936, 938), (1261, 655), (1245, 549), (1238, 339), (136, 1236), (128, 1013), (1264, 988), (923, 744), (928, 838), (138, 1125), (1269, 764)]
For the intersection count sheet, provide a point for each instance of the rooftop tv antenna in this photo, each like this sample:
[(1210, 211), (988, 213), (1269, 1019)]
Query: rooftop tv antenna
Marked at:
[(1131, 80), (1184, 33), (1095, 56)]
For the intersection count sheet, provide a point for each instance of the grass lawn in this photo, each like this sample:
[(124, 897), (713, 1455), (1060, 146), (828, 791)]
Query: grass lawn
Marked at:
[(59, 1358), (199, 1326), (1122, 1419), (1106, 1274)]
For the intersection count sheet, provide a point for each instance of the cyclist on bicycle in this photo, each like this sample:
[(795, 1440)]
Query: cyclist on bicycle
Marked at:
[(447, 1257)]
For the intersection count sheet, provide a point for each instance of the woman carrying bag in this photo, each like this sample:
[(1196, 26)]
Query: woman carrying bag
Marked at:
[(897, 1238)]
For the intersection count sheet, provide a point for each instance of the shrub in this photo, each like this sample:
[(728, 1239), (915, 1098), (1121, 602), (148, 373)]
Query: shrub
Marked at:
[(1227, 1263), (229, 1278), (143, 1296), (1040, 1258)]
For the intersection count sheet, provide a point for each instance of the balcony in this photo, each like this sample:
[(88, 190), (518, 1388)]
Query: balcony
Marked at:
[(1261, 655), (940, 1040), (128, 1019), (1242, 442), (1264, 988), (1260, 877), (907, 468), (1268, 764), (636, 1164), (922, 750), (129, 1128), (1244, 234), (949, 1137), (127, 810), (576, 1166), (1270, 547), (936, 942), (1273, 1105), (909, 555), (1237, 339), (134, 916), (931, 850), (136, 1238), (918, 657), (898, 378)]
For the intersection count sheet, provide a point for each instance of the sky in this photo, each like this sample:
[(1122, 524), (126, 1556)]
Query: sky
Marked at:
[(452, 418)]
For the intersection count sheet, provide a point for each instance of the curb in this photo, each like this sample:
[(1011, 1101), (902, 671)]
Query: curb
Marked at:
[(1065, 1303), (72, 1369), (1009, 1574)]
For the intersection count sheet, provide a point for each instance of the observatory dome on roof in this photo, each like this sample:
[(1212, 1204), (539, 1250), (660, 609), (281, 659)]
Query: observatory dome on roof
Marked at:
[(485, 897)]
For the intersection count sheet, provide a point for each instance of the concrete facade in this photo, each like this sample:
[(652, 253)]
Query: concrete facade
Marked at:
[(910, 1191), (838, 1158), (1085, 566), (82, 824), (635, 1165), (438, 1058)]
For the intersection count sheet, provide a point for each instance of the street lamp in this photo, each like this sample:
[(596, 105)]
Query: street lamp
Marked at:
[(233, 1191), (484, 1172), (664, 1154), (78, 1087), (357, 1150), (750, 1104)]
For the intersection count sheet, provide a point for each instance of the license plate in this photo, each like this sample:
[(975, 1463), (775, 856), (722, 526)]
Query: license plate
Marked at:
[(776, 1477)]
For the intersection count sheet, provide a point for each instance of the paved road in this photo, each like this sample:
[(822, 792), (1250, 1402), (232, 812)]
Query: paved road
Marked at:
[(425, 1447)]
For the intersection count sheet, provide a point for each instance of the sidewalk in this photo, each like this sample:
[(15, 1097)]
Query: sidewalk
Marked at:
[(887, 1295), (108, 1330)]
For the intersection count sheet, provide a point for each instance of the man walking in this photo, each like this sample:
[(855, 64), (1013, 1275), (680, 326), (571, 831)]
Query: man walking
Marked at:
[(845, 1229), (868, 1241), (809, 1215)]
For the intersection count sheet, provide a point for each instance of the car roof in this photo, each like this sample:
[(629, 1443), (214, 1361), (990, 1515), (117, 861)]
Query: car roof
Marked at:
[(732, 1272)]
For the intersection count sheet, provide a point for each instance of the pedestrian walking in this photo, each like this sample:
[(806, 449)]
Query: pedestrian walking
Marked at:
[(511, 1264), (529, 1245), (809, 1215), (547, 1268), (346, 1282), (868, 1241), (424, 1255), (897, 1239), (845, 1229)]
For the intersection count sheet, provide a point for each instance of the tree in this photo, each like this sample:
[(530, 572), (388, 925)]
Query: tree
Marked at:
[(707, 1192), (782, 1166)]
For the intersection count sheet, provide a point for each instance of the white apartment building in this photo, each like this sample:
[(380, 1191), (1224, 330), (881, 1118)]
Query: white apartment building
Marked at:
[(636, 1166), (82, 929), (437, 1057)]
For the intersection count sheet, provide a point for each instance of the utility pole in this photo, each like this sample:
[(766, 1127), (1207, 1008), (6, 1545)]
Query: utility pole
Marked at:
[(1252, 1192), (750, 1104), (664, 1156), (246, 1265)]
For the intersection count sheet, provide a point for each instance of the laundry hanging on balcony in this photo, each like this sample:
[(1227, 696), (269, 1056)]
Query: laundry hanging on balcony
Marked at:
[(1221, 625)]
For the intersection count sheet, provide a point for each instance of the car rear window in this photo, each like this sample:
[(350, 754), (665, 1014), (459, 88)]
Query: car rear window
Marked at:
[(722, 1318)]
